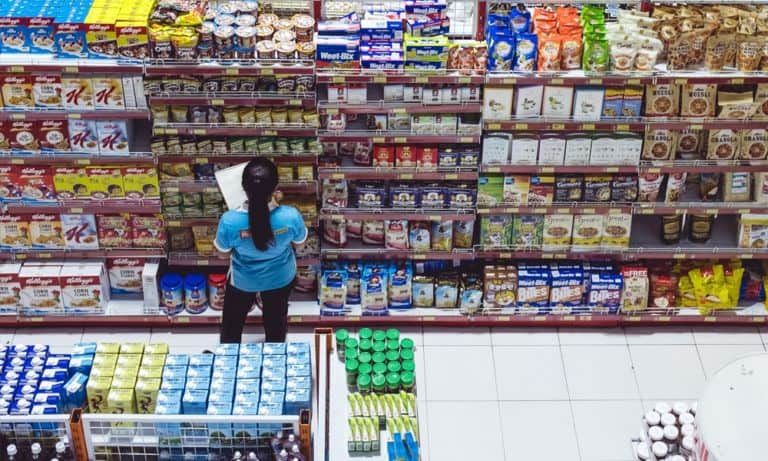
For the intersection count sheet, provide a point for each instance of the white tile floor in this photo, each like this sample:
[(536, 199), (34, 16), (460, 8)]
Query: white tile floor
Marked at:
[(513, 394)]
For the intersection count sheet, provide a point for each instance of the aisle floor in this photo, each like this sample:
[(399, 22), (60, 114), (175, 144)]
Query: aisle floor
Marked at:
[(543, 394)]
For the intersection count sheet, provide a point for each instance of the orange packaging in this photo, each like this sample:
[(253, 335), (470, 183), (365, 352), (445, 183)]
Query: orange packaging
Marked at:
[(550, 51), (571, 50)]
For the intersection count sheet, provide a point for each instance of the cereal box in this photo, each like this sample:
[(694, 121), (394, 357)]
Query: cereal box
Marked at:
[(47, 91), (83, 136), (132, 41), (71, 182), (125, 275), (36, 184), (587, 230), (84, 288), (70, 40), (532, 290), (5, 143), (567, 290), (101, 40), (557, 231), (10, 190), (23, 136), (605, 293), (10, 288), (384, 156), (108, 93), (106, 182), (616, 230), (13, 34), (114, 230), (14, 231), (45, 231), (41, 36), (516, 188), (40, 289), (148, 231), (78, 93), (53, 136), (113, 137), (634, 295), (17, 91), (141, 182), (80, 231)]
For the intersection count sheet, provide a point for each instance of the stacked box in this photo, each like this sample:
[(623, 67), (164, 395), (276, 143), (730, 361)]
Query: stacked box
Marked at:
[(298, 389), (32, 380)]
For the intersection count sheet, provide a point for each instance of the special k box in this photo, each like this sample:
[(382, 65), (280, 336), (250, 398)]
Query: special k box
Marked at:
[(83, 136), (40, 290), (10, 288), (108, 93), (113, 137), (125, 275), (78, 93), (84, 288)]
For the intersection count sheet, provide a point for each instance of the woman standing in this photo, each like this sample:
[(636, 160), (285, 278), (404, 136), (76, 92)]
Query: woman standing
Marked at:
[(259, 236)]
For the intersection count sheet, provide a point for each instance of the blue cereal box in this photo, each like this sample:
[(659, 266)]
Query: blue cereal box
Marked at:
[(41, 33), (71, 40), (605, 293), (533, 291), (227, 349), (302, 369), (14, 35), (246, 386), (567, 290), (298, 382), (297, 348), (201, 359), (273, 384), (250, 349), (177, 359), (269, 361)]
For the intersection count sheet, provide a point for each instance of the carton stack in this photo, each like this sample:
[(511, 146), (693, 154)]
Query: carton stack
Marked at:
[(33, 380)]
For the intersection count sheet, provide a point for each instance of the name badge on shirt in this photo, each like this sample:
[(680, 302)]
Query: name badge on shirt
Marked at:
[(245, 234)]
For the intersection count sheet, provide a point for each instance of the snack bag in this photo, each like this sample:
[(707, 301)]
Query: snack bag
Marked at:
[(710, 288), (333, 292)]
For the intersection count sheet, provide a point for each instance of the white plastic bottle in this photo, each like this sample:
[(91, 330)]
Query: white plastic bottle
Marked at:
[(35, 449), (283, 455), (296, 453), (12, 451)]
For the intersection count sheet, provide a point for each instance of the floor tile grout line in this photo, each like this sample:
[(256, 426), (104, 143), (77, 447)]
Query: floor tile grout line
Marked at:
[(498, 402), (634, 369), (428, 434), (570, 400)]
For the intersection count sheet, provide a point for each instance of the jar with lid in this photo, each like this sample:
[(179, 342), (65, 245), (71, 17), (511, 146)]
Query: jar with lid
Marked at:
[(679, 408), (662, 408), (671, 435), (701, 228), (408, 365), (379, 357), (686, 418), (687, 430), (671, 228), (365, 369), (407, 381), (652, 419), (393, 382), (379, 368), (364, 384), (379, 384), (341, 336), (687, 446), (364, 357), (659, 450), (379, 346), (406, 354), (656, 434), (668, 419), (351, 366), (393, 333), (406, 343), (350, 354), (365, 333), (642, 452), (366, 345), (394, 367), (379, 335), (393, 345), (351, 343)]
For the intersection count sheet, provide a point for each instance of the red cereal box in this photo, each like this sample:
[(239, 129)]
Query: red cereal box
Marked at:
[(406, 156), (54, 136), (23, 135), (428, 157), (114, 230), (148, 231), (17, 91), (36, 184), (10, 288), (40, 289), (383, 156), (5, 142), (10, 190)]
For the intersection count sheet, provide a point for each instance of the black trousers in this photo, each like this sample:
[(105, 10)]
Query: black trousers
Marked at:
[(274, 308)]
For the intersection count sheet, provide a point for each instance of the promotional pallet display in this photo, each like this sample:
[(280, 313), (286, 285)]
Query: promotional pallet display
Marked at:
[(319, 105)]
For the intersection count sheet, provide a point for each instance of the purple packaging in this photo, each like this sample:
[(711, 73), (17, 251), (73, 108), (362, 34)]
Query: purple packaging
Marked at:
[(433, 196), (605, 293), (404, 196)]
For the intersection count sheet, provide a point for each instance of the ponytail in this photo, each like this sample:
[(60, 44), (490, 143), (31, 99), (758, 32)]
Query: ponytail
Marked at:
[(259, 183)]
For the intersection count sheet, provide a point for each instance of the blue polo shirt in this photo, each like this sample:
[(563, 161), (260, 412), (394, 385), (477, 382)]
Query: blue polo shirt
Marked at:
[(252, 269)]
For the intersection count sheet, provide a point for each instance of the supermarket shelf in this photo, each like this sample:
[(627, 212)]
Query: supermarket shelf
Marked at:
[(233, 129), (376, 76), (235, 157), (181, 258), (626, 254), (401, 173), (23, 255), (290, 187), (177, 221), (73, 158), (418, 214), (394, 137), (86, 206), (381, 107), (306, 100), (659, 75), (676, 166), (377, 252), (656, 208), (60, 114), (234, 67), (40, 63), (618, 125)]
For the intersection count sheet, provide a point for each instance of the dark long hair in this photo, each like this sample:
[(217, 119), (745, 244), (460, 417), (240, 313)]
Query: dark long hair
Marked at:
[(259, 183)]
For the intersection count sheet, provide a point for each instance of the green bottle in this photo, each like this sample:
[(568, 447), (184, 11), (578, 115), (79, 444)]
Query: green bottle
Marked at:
[(351, 343), (393, 333), (341, 336), (364, 383), (379, 384), (406, 343), (394, 367), (406, 354), (393, 382), (393, 345), (379, 369), (393, 356), (407, 381), (408, 366), (364, 357), (365, 369), (379, 346), (351, 353), (379, 335), (352, 366), (366, 345), (379, 357)]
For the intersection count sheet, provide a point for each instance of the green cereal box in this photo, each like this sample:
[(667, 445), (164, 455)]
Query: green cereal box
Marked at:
[(97, 392), (107, 348), (490, 190), (146, 394), (150, 372), (124, 382), (121, 401), (154, 360), (156, 348), (131, 348)]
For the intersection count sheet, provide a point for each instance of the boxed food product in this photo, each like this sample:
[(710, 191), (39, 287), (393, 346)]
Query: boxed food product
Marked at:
[(558, 101), (587, 230), (373, 291), (79, 231), (497, 103), (140, 182), (515, 189), (406, 156), (605, 292), (753, 231), (108, 93), (634, 294), (84, 288), (148, 231), (383, 156), (698, 100), (527, 231), (569, 188), (737, 186), (40, 289), (578, 147), (114, 230), (525, 149), (83, 136), (597, 188), (633, 101), (396, 234), (496, 231), (17, 91), (567, 290), (754, 144), (649, 186), (78, 93), (624, 188), (10, 288), (533, 290), (45, 231), (496, 148), (427, 157), (660, 144), (662, 100), (616, 230), (5, 142), (613, 100), (557, 231), (36, 184), (552, 150), (689, 143), (588, 103), (53, 136), (71, 182), (14, 231), (604, 150), (106, 182), (113, 137), (24, 136), (723, 144), (541, 190), (528, 101)]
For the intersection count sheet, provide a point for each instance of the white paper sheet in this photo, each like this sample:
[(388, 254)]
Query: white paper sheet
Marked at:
[(229, 181)]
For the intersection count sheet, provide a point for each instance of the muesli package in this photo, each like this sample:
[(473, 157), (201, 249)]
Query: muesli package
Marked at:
[(634, 294), (373, 290), (400, 285)]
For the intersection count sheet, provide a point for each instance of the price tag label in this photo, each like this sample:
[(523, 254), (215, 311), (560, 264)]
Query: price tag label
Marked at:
[(171, 189), (483, 211), (295, 319), (679, 256), (421, 79), (71, 70), (16, 69), (737, 81), (622, 127), (17, 161), (681, 81), (540, 318), (380, 79), (467, 139), (711, 211), (173, 223), (612, 169), (634, 318), (633, 81), (586, 318), (21, 256), (406, 176), (653, 170), (74, 116), (269, 133), (210, 190), (494, 126), (267, 72), (558, 126), (337, 176), (20, 116), (399, 110), (203, 262), (451, 176), (547, 169), (521, 126), (36, 319), (697, 127), (595, 81), (170, 131), (236, 71), (493, 169), (76, 210), (464, 80), (588, 211), (588, 127), (435, 218), (400, 140), (547, 256), (710, 318), (420, 256), (539, 211), (428, 319), (200, 160), (332, 111), (511, 210), (557, 81), (182, 319), (217, 102), (615, 211), (505, 255), (663, 318), (44, 255), (83, 161), (199, 131), (509, 81), (747, 256), (569, 318), (338, 79), (758, 319), (562, 211), (744, 210)]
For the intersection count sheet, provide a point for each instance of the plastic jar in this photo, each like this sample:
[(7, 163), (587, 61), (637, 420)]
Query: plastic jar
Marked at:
[(195, 294), (393, 333), (379, 335), (656, 434), (379, 369), (408, 365), (671, 434), (394, 367), (351, 343), (366, 345), (392, 356), (668, 419), (364, 357), (687, 430), (642, 452), (407, 381), (687, 446), (364, 369), (217, 287), (172, 293), (406, 354), (659, 450), (686, 418), (364, 384), (365, 333), (652, 419), (393, 382), (341, 337), (678, 408), (379, 357), (351, 353), (393, 345), (379, 346), (352, 367), (379, 384), (406, 343), (662, 408)]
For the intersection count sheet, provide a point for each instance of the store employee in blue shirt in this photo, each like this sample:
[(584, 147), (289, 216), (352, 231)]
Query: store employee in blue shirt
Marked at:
[(259, 237)]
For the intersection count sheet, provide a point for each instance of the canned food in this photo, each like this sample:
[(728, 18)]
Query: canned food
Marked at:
[(205, 31), (224, 37), (227, 9), (265, 49), (304, 26), (171, 290), (245, 20), (248, 7), (284, 24), (264, 32), (305, 83), (195, 294), (306, 51)]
